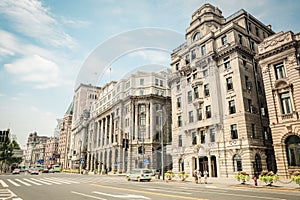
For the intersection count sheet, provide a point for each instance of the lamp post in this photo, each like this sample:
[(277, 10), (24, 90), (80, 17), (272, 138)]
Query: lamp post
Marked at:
[(162, 144)]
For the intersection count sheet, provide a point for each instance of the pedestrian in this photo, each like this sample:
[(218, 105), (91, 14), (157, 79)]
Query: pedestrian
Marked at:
[(199, 177), (195, 176), (255, 180), (205, 176)]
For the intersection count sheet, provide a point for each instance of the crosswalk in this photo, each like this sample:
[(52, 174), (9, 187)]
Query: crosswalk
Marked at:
[(39, 181)]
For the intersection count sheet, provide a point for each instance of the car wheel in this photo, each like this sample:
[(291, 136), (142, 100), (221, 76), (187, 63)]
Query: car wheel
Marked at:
[(149, 180), (128, 179)]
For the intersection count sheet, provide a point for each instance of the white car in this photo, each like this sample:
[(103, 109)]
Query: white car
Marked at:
[(139, 175)]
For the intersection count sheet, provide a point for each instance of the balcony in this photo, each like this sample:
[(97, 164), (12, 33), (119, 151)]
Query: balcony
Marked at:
[(290, 116), (198, 101), (197, 82)]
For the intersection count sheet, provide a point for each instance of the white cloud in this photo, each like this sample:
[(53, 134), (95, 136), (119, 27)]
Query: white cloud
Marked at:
[(35, 69), (31, 18), (152, 56), (2, 95)]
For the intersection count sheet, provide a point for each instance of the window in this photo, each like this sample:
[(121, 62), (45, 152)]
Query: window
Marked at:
[(179, 120), (202, 135), (199, 114), (161, 83), (189, 79), (187, 59), (194, 76), (203, 50), (208, 112), (193, 54), (292, 144), (191, 117), (286, 104), (237, 163), (194, 138), (178, 86), (226, 63), (212, 135), (142, 108), (232, 107), (229, 83), (190, 97), (250, 107), (142, 120), (248, 83), (179, 102), (224, 40), (177, 66), (244, 63), (196, 93), (279, 71), (127, 84), (266, 134), (179, 140), (249, 27), (253, 134), (206, 90), (141, 92), (156, 81), (241, 39), (205, 73), (252, 45), (197, 36), (234, 133), (141, 81), (256, 31)]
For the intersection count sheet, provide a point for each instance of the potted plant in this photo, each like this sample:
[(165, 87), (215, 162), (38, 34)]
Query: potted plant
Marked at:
[(182, 175), (268, 177), (242, 177), (169, 175), (296, 177)]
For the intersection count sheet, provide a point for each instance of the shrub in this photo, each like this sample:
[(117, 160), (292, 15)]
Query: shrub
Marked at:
[(268, 177), (182, 175), (296, 177), (242, 176), (169, 175)]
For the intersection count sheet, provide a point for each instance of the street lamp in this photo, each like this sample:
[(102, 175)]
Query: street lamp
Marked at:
[(162, 143)]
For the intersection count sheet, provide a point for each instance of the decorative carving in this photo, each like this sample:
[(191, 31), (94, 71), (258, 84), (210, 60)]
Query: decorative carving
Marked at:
[(269, 43), (292, 60)]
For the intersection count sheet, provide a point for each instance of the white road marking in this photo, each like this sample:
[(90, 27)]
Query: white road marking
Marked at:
[(3, 183), (24, 183), (86, 195), (64, 181), (122, 196), (12, 182), (40, 181), (169, 191), (52, 181), (30, 181)]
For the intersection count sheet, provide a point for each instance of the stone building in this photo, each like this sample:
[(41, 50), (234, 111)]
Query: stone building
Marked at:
[(35, 149), (279, 60), (51, 155), (84, 96), (126, 124), (219, 115), (64, 138)]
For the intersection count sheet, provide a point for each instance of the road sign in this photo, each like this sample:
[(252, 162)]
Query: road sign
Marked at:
[(146, 162)]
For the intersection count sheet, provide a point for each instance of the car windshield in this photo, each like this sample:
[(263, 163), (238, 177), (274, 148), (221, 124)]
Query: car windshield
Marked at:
[(147, 172)]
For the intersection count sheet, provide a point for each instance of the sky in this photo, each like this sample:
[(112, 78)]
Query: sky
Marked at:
[(47, 47)]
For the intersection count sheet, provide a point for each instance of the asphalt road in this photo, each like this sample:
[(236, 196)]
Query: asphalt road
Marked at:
[(78, 187)]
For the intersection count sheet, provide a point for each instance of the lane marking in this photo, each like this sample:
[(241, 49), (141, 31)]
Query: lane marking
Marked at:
[(63, 181), (170, 191), (3, 183), (147, 192), (86, 195), (24, 183), (14, 183), (52, 181), (123, 196)]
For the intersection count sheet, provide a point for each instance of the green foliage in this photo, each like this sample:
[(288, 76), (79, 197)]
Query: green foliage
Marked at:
[(242, 176), (6, 152), (182, 175), (169, 175), (268, 177), (296, 177)]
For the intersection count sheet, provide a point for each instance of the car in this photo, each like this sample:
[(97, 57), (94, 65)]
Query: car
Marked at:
[(34, 172), (139, 175), (46, 170), (16, 171), (51, 170)]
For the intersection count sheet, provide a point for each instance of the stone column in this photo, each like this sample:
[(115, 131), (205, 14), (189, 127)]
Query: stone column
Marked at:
[(88, 160), (110, 129)]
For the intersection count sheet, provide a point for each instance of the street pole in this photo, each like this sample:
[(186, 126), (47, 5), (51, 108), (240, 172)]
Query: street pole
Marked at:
[(162, 143)]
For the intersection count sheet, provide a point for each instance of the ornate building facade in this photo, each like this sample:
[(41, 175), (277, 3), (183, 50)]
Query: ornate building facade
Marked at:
[(219, 111), (127, 123), (279, 59)]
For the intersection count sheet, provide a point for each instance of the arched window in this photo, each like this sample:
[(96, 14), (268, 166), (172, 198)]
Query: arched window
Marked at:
[(293, 150), (197, 36), (237, 163), (257, 164), (181, 165)]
